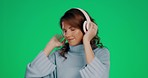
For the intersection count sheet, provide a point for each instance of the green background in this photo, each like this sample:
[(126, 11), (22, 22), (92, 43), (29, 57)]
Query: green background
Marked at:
[(27, 25)]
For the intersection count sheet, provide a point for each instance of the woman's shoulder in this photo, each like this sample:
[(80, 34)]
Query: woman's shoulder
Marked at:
[(56, 53), (103, 50), (56, 56)]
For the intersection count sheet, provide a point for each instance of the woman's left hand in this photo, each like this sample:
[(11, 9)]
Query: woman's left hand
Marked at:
[(91, 33)]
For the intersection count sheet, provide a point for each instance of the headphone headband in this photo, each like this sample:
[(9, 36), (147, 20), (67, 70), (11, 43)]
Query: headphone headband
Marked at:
[(85, 14)]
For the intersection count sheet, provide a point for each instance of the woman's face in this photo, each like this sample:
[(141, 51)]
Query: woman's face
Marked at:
[(73, 35)]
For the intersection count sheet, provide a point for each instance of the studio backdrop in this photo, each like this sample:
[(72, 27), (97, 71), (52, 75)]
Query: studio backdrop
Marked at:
[(26, 26)]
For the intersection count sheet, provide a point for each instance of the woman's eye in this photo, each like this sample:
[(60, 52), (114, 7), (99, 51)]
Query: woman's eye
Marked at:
[(72, 29)]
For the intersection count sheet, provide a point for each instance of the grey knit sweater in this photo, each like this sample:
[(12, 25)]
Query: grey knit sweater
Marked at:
[(55, 66)]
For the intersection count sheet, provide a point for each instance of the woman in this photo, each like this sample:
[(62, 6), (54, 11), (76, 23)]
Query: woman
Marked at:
[(81, 56)]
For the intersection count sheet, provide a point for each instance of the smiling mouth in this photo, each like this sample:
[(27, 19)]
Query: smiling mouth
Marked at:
[(71, 39)]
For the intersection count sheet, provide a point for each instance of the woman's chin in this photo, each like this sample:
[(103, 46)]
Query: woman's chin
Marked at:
[(74, 44)]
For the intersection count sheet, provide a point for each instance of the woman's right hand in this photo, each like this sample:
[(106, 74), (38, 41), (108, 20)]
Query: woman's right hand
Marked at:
[(56, 41)]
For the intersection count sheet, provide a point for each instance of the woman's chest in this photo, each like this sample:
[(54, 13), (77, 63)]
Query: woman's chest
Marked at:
[(69, 68)]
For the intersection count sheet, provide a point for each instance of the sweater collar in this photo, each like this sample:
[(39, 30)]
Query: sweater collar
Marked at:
[(78, 49)]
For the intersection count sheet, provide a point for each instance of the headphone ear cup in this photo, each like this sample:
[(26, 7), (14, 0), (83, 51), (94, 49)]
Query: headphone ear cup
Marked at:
[(87, 25), (84, 26)]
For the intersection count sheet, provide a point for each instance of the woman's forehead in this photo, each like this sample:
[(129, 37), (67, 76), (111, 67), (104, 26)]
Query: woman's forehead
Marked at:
[(65, 25)]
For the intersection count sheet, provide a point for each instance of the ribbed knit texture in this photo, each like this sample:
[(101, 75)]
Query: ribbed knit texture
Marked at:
[(74, 66)]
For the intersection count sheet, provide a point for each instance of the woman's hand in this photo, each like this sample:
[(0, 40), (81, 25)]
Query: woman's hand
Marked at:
[(88, 36), (91, 33), (56, 41)]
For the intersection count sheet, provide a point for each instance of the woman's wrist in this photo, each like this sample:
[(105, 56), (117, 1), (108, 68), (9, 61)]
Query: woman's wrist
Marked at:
[(48, 49), (86, 42)]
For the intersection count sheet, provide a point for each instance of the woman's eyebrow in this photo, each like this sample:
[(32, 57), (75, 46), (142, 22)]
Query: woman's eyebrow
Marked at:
[(67, 28), (71, 27)]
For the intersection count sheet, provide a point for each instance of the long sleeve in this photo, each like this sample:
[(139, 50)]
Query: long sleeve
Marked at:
[(41, 66), (99, 67)]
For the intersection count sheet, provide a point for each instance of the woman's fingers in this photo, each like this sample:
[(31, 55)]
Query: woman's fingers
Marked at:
[(60, 38), (93, 27)]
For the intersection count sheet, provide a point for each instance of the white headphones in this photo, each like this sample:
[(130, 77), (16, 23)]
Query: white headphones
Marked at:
[(87, 22)]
